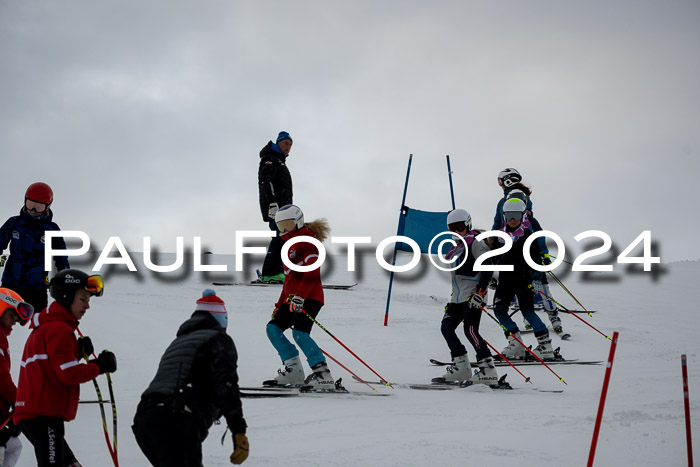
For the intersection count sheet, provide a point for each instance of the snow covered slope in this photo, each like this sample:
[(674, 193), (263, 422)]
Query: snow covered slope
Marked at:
[(643, 424)]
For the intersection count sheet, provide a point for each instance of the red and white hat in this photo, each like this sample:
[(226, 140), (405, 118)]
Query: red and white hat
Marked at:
[(214, 305)]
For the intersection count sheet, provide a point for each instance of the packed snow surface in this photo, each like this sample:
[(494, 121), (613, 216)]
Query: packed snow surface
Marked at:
[(643, 423)]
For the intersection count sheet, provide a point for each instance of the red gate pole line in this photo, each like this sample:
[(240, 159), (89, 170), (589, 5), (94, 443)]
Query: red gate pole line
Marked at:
[(686, 403), (348, 370), (601, 406), (527, 378), (575, 315), (524, 346), (346, 348)]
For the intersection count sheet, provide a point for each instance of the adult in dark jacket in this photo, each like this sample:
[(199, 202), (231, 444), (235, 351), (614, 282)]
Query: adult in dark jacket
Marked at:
[(195, 384), (24, 272), (275, 191)]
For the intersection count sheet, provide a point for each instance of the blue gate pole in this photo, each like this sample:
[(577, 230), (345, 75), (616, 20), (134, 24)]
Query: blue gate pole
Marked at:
[(449, 174), (393, 261)]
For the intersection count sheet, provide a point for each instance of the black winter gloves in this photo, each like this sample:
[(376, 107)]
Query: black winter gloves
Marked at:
[(106, 361)]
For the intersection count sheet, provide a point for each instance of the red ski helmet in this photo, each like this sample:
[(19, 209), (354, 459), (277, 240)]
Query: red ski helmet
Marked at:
[(11, 299), (40, 192)]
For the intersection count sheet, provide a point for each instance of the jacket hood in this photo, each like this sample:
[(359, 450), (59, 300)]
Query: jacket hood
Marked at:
[(270, 151), (198, 320)]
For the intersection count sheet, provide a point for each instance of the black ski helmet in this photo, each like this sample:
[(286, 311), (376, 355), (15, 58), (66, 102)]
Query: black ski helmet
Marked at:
[(65, 283)]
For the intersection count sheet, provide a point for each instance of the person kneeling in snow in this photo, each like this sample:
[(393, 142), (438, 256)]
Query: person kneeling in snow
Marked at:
[(49, 379), (196, 383)]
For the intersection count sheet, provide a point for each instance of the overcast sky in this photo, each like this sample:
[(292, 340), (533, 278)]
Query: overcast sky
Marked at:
[(147, 117)]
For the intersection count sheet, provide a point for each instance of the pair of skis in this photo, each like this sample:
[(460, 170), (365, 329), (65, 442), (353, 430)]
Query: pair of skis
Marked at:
[(502, 385), (526, 362), (271, 389)]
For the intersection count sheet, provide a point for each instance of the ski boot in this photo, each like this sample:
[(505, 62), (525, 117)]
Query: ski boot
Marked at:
[(555, 320), (292, 375), (276, 279), (544, 348), (514, 350), (460, 370), (320, 378), (486, 374)]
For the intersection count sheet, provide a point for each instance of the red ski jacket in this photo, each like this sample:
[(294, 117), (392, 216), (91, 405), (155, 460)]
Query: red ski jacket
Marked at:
[(51, 371), (304, 284), (8, 390)]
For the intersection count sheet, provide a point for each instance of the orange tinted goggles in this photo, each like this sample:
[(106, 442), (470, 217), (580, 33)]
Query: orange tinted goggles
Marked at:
[(24, 310), (286, 225), (95, 285)]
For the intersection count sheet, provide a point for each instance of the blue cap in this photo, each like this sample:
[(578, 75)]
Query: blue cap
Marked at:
[(282, 136)]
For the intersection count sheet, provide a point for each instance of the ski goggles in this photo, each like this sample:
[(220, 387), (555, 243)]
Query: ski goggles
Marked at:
[(513, 215), (286, 225), (24, 310), (457, 227), (37, 206), (95, 285)]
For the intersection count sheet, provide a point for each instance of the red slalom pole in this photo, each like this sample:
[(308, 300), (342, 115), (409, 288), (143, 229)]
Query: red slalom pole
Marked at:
[(686, 403), (574, 315), (524, 346), (348, 370), (527, 378), (601, 406), (347, 348)]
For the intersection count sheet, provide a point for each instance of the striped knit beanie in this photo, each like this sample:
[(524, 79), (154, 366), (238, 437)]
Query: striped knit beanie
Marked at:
[(214, 305)]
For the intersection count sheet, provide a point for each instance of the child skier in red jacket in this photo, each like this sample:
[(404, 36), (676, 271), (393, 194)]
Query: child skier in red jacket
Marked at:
[(51, 373)]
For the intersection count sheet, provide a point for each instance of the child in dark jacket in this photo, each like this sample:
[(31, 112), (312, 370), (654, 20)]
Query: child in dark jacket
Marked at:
[(518, 283), (468, 296)]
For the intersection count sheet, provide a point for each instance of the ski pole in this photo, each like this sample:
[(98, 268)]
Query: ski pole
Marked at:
[(569, 292), (348, 370), (112, 448), (6, 421), (524, 346), (575, 316), (527, 378), (565, 261), (346, 348)]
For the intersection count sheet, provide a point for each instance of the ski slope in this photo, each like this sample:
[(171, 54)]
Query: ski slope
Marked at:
[(643, 424)]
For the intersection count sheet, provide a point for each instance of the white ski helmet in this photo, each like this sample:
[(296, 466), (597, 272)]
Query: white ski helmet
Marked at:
[(459, 215), (287, 213), (509, 177)]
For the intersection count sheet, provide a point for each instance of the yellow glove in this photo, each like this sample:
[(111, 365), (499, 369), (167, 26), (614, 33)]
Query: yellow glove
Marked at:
[(240, 448), (3, 258)]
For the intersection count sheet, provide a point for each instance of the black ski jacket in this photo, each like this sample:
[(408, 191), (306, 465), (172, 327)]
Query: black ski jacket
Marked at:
[(274, 180), (197, 374)]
